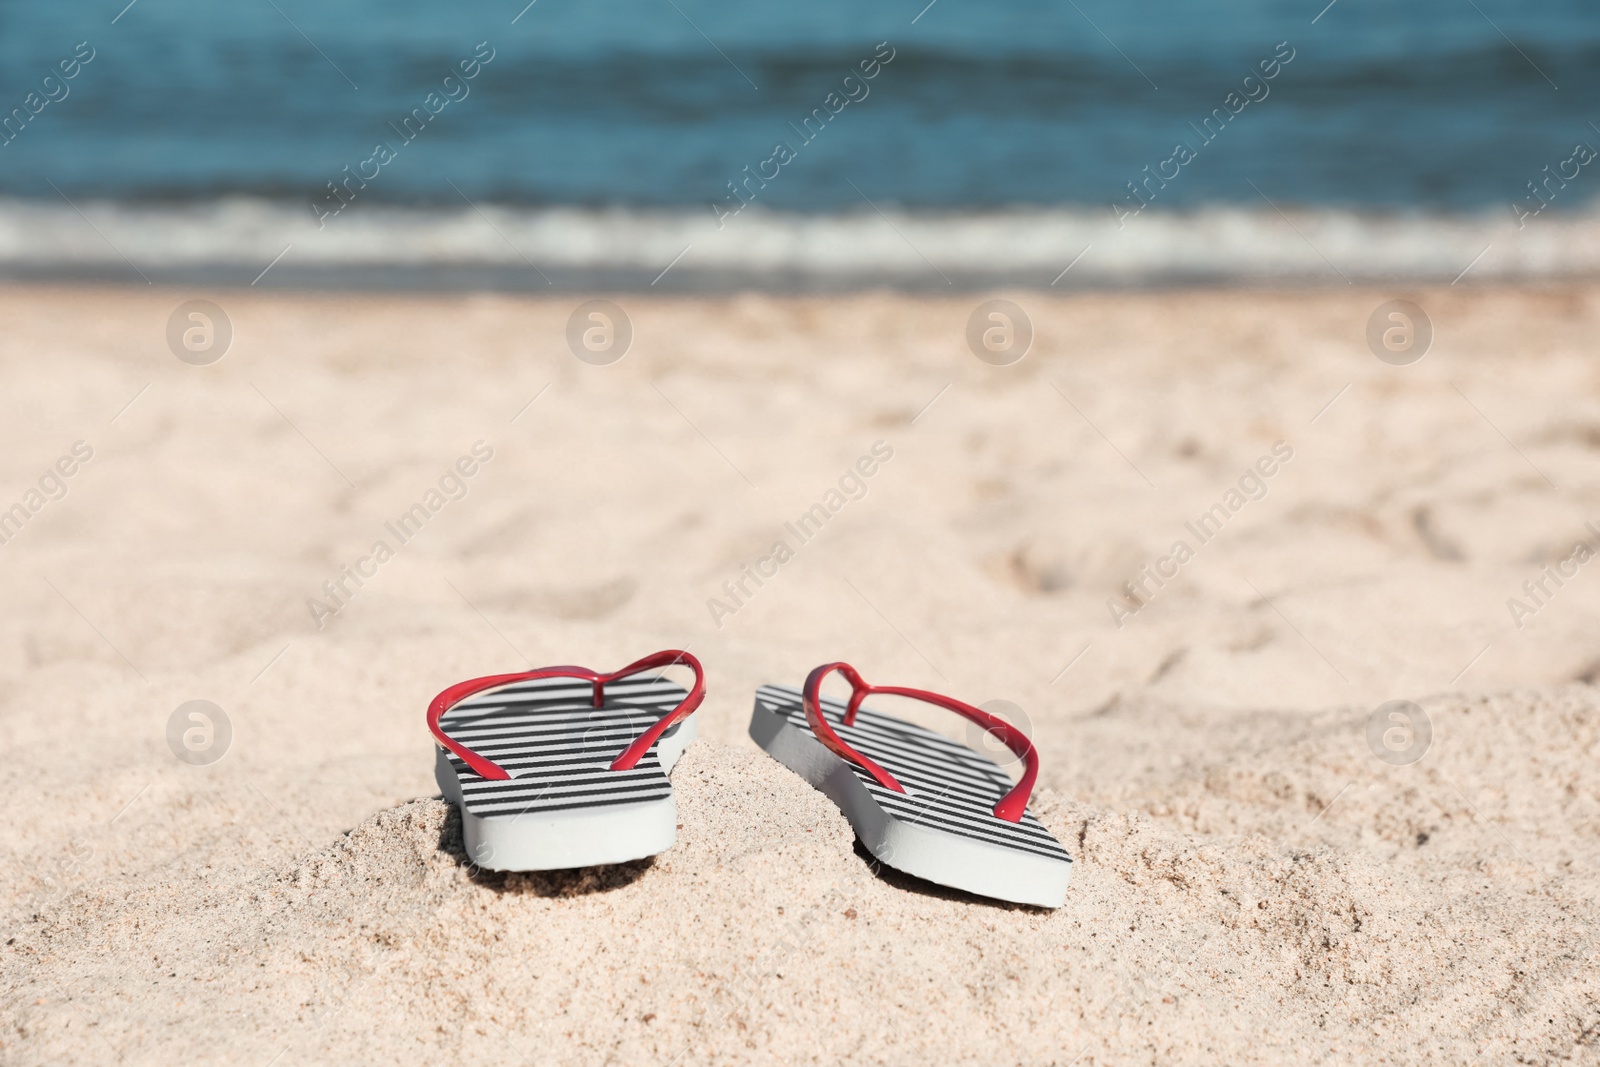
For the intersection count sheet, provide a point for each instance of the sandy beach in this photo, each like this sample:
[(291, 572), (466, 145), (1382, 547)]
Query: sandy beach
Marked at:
[(1252, 882)]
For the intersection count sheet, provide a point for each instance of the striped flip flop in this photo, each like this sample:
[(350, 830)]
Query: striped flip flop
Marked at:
[(919, 802), (565, 767)]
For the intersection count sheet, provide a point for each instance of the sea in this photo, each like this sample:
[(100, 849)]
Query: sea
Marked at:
[(686, 145)]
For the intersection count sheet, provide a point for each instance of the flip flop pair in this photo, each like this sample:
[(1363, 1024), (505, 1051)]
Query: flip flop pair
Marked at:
[(567, 767)]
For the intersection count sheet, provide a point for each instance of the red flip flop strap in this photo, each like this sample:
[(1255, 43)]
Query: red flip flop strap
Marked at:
[(641, 744), (1011, 806), (486, 768), (448, 699), (824, 729)]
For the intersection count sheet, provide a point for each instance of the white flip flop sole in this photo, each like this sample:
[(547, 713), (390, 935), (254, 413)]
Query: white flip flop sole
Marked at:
[(564, 807), (942, 828)]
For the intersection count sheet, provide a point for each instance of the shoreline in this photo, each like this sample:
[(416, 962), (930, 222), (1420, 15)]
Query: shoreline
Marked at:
[(467, 280), (248, 242)]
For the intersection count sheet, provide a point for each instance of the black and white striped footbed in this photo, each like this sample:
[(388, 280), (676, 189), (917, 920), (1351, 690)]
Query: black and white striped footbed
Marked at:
[(919, 802), (563, 766)]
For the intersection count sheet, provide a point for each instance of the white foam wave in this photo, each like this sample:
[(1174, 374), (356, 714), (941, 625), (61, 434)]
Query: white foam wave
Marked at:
[(1026, 246)]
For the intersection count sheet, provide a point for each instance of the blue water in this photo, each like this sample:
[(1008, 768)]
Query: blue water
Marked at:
[(1422, 105)]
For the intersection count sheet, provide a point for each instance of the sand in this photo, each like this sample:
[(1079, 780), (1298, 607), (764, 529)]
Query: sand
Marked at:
[(1253, 884)]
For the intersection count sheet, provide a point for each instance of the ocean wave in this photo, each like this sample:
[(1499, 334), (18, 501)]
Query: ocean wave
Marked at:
[(273, 243)]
